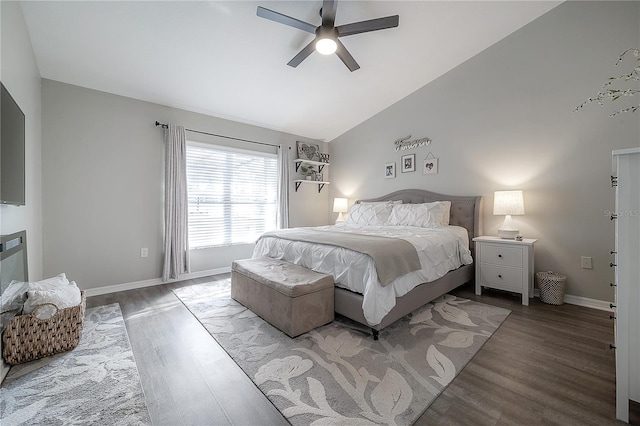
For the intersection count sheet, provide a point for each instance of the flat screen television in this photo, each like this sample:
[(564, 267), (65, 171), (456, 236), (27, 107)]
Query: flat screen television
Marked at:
[(12, 157)]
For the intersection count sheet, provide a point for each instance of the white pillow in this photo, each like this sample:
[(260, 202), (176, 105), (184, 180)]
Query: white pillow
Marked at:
[(446, 211), (425, 215), (369, 214), (60, 292)]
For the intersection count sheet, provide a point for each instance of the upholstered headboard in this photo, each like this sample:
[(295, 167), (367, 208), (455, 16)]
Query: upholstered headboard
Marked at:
[(465, 211)]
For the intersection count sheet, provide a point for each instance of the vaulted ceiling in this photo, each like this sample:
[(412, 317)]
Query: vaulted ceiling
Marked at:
[(219, 58)]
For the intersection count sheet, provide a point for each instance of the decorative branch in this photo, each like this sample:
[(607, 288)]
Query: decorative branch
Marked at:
[(613, 94)]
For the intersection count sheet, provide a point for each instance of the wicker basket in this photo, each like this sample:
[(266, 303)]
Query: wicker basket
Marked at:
[(552, 287), (28, 338)]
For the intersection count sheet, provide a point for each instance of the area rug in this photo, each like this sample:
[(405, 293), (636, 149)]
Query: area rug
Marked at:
[(96, 383), (337, 374)]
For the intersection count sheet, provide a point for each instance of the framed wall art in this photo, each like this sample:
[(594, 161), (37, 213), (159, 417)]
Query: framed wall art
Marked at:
[(408, 163), (390, 170), (430, 166), (308, 151)]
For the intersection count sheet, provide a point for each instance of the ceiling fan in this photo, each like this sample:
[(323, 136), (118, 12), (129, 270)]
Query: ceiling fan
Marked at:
[(326, 41)]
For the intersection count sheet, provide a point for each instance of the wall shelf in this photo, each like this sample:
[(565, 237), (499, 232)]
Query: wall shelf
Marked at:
[(320, 164), (320, 184)]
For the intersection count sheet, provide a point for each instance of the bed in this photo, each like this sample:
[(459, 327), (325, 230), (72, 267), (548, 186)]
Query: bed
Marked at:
[(372, 303)]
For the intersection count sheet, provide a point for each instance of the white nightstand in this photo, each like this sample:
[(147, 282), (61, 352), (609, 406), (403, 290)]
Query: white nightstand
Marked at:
[(505, 265)]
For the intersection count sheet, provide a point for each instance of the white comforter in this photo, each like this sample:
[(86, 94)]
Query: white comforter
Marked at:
[(440, 251)]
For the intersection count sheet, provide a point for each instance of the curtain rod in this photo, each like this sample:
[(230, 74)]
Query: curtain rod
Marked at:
[(164, 126)]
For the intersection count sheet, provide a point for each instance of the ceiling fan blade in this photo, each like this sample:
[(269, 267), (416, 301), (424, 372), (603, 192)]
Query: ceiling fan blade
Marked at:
[(284, 19), (329, 12), (303, 54), (346, 57), (366, 26)]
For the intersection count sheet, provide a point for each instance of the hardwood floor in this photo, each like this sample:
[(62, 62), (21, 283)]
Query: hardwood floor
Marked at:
[(187, 378), (545, 365)]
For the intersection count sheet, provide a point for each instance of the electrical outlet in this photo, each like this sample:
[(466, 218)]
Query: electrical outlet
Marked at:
[(144, 252), (585, 262)]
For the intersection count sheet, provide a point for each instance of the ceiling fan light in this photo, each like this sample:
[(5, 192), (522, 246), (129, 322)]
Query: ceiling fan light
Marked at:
[(326, 46)]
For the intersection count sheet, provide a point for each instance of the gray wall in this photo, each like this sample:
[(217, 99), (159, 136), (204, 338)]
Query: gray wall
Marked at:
[(20, 75), (504, 120), (103, 162)]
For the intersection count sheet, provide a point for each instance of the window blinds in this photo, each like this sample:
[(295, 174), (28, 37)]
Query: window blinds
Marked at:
[(232, 195)]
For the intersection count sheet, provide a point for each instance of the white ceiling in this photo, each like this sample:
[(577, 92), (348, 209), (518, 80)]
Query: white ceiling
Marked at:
[(220, 59)]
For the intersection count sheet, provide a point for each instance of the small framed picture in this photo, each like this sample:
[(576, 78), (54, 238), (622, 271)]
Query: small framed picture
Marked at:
[(390, 170), (408, 163), (430, 166)]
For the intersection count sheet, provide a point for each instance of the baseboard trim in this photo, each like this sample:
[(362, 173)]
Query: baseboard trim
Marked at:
[(601, 305), (154, 281)]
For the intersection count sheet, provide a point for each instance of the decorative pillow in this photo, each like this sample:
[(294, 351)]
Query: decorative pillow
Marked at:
[(426, 215), (446, 211), (58, 291), (369, 213)]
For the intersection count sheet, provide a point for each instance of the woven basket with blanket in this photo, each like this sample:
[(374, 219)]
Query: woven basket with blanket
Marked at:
[(41, 319)]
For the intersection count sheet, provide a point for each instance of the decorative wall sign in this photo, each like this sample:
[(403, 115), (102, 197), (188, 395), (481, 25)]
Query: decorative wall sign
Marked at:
[(408, 163), (405, 143), (430, 166), (308, 151), (390, 170)]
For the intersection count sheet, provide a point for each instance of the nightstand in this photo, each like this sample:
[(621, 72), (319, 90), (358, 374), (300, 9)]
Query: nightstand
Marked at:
[(505, 265)]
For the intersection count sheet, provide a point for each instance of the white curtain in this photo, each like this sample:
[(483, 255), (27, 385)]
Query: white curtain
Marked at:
[(176, 232), (283, 187)]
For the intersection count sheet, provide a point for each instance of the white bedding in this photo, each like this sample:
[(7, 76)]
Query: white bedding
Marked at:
[(440, 250)]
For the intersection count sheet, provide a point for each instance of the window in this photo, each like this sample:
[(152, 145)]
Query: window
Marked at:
[(232, 195)]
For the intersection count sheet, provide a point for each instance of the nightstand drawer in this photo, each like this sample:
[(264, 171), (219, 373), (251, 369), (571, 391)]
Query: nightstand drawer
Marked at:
[(501, 255), (502, 278)]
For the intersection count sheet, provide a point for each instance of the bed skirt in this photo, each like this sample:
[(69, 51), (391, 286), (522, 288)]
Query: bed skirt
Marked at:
[(349, 304)]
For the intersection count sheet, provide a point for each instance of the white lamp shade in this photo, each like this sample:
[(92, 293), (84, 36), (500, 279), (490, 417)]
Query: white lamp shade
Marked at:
[(508, 203), (340, 205)]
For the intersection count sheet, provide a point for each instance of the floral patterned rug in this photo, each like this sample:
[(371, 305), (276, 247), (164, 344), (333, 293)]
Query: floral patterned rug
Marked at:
[(97, 383), (337, 374)]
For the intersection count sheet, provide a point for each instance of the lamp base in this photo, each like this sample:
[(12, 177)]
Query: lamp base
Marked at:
[(508, 234), (340, 218)]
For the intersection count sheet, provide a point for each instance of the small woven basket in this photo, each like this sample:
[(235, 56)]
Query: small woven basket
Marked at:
[(28, 338), (552, 287)]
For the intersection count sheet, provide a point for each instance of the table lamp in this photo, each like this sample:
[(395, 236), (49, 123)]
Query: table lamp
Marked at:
[(508, 203), (340, 205)]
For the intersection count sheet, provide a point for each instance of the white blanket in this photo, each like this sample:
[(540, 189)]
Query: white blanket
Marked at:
[(440, 250)]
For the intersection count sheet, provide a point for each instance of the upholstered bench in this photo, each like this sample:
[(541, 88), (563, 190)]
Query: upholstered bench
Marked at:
[(292, 298)]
